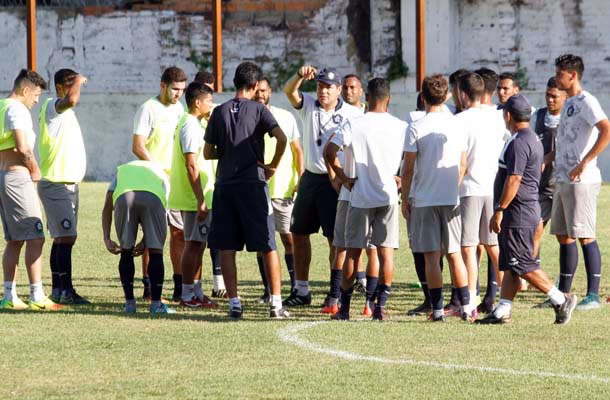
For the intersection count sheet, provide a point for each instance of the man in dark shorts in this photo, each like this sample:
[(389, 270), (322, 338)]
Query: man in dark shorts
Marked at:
[(516, 216), (242, 212)]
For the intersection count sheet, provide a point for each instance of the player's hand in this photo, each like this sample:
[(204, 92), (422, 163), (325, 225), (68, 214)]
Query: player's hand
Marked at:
[(406, 209), (349, 183), (81, 79), (336, 184), (268, 169), (35, 175), (576, 172), (139, 249), (308, 72), (202, 211), (496, 221), (112, 246), (398, 181)]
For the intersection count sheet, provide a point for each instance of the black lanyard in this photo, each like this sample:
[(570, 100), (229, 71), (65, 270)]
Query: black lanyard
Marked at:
[(336, 118)]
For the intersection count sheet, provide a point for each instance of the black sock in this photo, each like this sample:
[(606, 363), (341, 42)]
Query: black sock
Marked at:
[(127, 270), (177, 285), (215, 257), (455, 300), (492, 284), (420, 269), (463, 295), (56, 284), (63, 253), (593, 264), (568, 261), (261, 270), (371, 287), (156, 272), (383, 292), (146, 282), (335, 283), (346, 298), (436, 298), (289, 258), (360, 275), (69, 269)]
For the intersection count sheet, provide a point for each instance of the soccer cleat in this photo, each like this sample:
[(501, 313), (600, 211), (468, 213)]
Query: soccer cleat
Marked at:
[(192, 303), (590, 302), (485, 308), (55, 297), (432, 318), (452, 311), (162, 308), (206, 302), (563, 313), (129, 307), (380, 314), (16, 304), (470, 318), (296, 300), (278, 313), (236, 312), (491, 319), (359, 287), (340, 316), (422, 309), (367, 311), (545, 304), (264, 299), (220, 294), (330, 309), (73, 298), (45, 304)]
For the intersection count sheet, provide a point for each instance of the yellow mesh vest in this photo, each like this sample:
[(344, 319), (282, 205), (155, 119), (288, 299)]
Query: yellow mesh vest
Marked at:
[(7, 141), (159, 143), (140, 176)]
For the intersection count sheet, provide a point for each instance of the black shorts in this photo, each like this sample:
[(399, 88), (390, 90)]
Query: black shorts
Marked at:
[(517, 250), (242, 214), (315, 206)]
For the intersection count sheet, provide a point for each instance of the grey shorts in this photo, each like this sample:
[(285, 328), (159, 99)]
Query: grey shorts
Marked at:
[(574, 210), (60, 202), (436, 228), (378, 226), (194, 230), (174, 218), (476, 213), (340, 221), (133, 209), (546, 208), (19, 206), (282, 212)]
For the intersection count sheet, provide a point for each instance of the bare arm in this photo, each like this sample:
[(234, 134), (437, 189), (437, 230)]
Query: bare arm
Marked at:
[(463, 167), (27, 155), (509, 191), (72, 97), (210, 152), (192, 172), (138, 148), (111, 246), (280, 147), (406, 177), (291, 89), (603, 138), (332, 161), (297, 157)]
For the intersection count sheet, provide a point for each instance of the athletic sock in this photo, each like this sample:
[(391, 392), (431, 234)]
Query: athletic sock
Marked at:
[(361, 277), (218, 282), (198, 289), (289, 258), (177, 285), (276, 301), (492, 284), (436, 298), (156, 273), (371, 288), (335, 283), (568, 261), (63, 253), (504, 308), (215, 258), (127, 271), (302, 287), (346, 299), (455, 300), (36, 292), (383, 292), (261, 270), (10, 290), (464, 297), (593, 265), (556, 296), (234, 303), (473, 298), (146, 282), (55, 282), (188, 291), (420, 269)]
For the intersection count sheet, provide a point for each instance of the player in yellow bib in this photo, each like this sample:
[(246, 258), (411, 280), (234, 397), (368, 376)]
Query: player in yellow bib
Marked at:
[(63, 162), (153, 133)]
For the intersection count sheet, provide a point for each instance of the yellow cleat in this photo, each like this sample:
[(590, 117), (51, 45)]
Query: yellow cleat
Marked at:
[(45, 304), (16, 304)]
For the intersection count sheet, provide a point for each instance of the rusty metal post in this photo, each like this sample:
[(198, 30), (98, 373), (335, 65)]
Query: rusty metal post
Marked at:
[(217, 43), (31, 35), (420, 42)]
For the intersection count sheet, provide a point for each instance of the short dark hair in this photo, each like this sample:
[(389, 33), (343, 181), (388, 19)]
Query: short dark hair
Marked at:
[(266, 79), (173, 74), (489, 77), (378, 89), (434, 89), (511, 76), (247, 74), (571, 63), (29, 77), (65, 76), (195, 90), (419, 103), (205, 77), (519, 117), (454, 78), (552, 83), (346, 77), (472, 85)]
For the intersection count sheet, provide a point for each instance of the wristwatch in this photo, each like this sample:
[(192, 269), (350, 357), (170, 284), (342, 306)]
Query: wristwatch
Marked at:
[(498, 208)]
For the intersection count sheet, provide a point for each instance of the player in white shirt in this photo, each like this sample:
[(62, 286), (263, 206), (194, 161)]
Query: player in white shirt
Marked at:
[(583, 133)]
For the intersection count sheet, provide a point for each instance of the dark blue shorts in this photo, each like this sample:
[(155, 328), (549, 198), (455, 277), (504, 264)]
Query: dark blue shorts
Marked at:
[(242, 214), (517, 250), (315, 206)]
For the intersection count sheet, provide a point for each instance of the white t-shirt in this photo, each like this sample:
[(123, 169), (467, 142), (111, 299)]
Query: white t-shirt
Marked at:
[(57, 121), (191, 135), (576, 135), (484, 142), (550, 120), (318, 127), (439, 141), (18, 117), (144, 121), (375, 140), (287, 123)]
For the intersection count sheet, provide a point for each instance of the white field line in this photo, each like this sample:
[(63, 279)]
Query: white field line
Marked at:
[(291, 335)]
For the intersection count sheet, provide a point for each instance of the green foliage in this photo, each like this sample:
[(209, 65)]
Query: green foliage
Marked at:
[(522, 78), (283, 69), (203, 60), (397, 69)]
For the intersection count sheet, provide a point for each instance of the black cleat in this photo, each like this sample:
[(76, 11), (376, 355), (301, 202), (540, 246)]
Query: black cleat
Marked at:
[(360, 288), (491, 319), (220, 294), (264, 299), (236, 312), (73, 298), (485, 308), (296, 300), (422, 309), (380, 314), (278, 313), (563, 313), (340, 315)]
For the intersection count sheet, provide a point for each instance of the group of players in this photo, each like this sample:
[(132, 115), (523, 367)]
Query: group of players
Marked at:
[(469, 178)]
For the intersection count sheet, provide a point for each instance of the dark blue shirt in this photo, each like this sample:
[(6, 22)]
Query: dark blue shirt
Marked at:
[(237, 128), (522, 155)]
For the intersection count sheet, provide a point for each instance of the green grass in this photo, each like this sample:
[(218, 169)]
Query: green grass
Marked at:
[(98, 352)]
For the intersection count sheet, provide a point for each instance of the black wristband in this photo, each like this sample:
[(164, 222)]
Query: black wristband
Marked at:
[(299, 74), (498, 208)]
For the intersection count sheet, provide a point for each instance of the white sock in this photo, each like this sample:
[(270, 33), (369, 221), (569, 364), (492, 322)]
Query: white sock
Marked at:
[(234, 302), (198, 289), (302, 287), (556, 297), (36, 292), (276, 301), (504, 308), (187, 292), (219, 282), (438, 313), (473, 297), (468, 308), (10, 290)]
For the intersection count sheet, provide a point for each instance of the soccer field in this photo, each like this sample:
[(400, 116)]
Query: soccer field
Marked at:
[(99, 352)]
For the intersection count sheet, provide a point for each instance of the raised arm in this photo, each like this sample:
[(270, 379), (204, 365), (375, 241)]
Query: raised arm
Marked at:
[(73, 96), (291, 89)]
